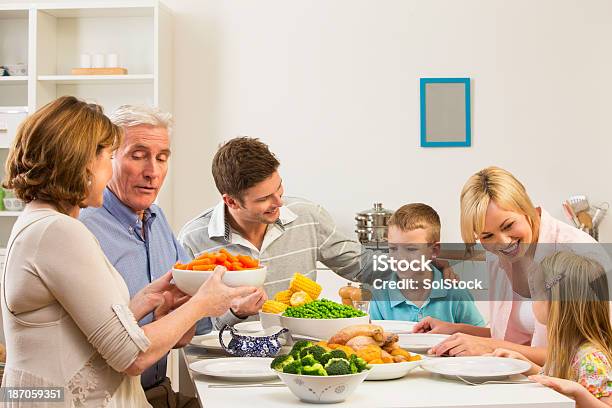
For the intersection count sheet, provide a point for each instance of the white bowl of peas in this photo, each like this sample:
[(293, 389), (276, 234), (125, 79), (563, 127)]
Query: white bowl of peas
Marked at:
[(321, 319)]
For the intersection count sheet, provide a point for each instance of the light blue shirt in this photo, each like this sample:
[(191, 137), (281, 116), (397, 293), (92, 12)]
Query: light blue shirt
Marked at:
[(139, 258), (450, 305)]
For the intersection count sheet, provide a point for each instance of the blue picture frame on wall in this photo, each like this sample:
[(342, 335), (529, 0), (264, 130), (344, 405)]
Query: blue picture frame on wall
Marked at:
[(445, 112)]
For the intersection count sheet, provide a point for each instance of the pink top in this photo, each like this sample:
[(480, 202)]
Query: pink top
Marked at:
[(552, 231)]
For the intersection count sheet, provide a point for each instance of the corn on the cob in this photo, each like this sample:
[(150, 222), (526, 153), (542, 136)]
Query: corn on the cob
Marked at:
[(283, 296), (300, 282), (272, 306), (300, 298)]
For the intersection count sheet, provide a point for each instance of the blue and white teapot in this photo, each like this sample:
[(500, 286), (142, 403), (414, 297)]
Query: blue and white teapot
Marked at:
[(261, 344)]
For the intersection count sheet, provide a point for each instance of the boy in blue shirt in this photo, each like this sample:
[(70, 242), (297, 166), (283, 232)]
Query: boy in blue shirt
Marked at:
[(414, 239)]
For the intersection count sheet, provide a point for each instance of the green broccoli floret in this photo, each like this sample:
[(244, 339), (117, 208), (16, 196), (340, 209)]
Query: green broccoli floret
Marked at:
[(308, 360), (325, 358), (339, 354), (333, 354), (315, 369), (295, 367), (281, 361), (301, 344), (338, 366), (316, 351), (359, 362)]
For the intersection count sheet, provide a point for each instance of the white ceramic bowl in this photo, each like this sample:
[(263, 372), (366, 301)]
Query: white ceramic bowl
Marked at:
[(13, 204), (391, 371), (321, 329), (323, 390), (269, 319), (190, 281)]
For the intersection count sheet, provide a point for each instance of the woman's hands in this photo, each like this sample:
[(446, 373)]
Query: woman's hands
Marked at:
[(156, 293), (502, 352), (458, 344), (217, 298), (461, 344)]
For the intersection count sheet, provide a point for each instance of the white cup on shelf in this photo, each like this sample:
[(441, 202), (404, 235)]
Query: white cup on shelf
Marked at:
[(112, 60), (98, 61), (85, 61)]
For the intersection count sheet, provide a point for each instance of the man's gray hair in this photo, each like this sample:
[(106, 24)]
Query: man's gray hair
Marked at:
[(134, 115)]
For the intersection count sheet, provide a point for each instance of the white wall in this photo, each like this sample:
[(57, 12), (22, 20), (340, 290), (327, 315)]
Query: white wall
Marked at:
[(332, 87)]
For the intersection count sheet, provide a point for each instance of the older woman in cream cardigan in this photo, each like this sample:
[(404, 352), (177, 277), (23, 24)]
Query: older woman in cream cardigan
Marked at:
[(68, 318)]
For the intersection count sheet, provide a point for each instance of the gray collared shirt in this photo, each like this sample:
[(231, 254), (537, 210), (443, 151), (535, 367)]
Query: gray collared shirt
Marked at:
[(303, 235)]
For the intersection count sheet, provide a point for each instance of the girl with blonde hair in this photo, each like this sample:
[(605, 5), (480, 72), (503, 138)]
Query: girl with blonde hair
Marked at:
[(497, 212), (573, 302)]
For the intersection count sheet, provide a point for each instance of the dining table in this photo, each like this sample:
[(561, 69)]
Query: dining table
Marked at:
[(419, 388)]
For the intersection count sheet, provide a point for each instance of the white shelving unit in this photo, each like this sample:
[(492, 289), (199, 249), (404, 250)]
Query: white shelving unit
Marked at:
[(50, 37), (97, 79), (14, 79), (14, 31)]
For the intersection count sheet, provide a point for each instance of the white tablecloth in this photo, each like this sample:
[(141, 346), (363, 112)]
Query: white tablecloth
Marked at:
[(418, 389)]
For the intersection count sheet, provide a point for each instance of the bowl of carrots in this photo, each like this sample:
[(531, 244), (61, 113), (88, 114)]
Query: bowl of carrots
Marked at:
[(242, 270)]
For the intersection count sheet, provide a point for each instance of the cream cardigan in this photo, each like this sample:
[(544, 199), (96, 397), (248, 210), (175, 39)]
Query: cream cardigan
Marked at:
[(66, 317)]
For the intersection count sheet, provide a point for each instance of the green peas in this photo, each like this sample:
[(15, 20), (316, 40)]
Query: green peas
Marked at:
[(323, 309)]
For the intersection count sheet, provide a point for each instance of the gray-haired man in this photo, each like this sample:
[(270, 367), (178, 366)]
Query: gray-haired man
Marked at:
[(133, 232)]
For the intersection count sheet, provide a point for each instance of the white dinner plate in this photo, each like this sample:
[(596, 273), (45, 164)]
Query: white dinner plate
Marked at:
[(479, 368), (249, 327), (391, 371), (211, 340), (395, 326), (420, 342), (236, 368)]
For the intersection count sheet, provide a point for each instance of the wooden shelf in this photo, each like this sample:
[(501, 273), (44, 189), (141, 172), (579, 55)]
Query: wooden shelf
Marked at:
[(101, 79)]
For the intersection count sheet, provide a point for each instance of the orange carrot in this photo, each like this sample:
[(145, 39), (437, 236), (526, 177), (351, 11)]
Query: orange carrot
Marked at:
[(203, 267)]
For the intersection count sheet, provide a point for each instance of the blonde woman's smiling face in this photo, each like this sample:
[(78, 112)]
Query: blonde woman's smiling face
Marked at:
[(506, 233)]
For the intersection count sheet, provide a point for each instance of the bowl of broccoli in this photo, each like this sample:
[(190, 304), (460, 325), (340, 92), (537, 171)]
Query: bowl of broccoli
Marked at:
[(319, 375)]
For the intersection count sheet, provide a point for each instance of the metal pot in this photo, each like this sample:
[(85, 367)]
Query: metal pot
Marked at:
[(372, 225)]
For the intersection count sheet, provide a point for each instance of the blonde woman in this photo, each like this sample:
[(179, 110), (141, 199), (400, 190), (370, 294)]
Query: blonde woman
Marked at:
[(572, 301), (68, 319), (497, 212)]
